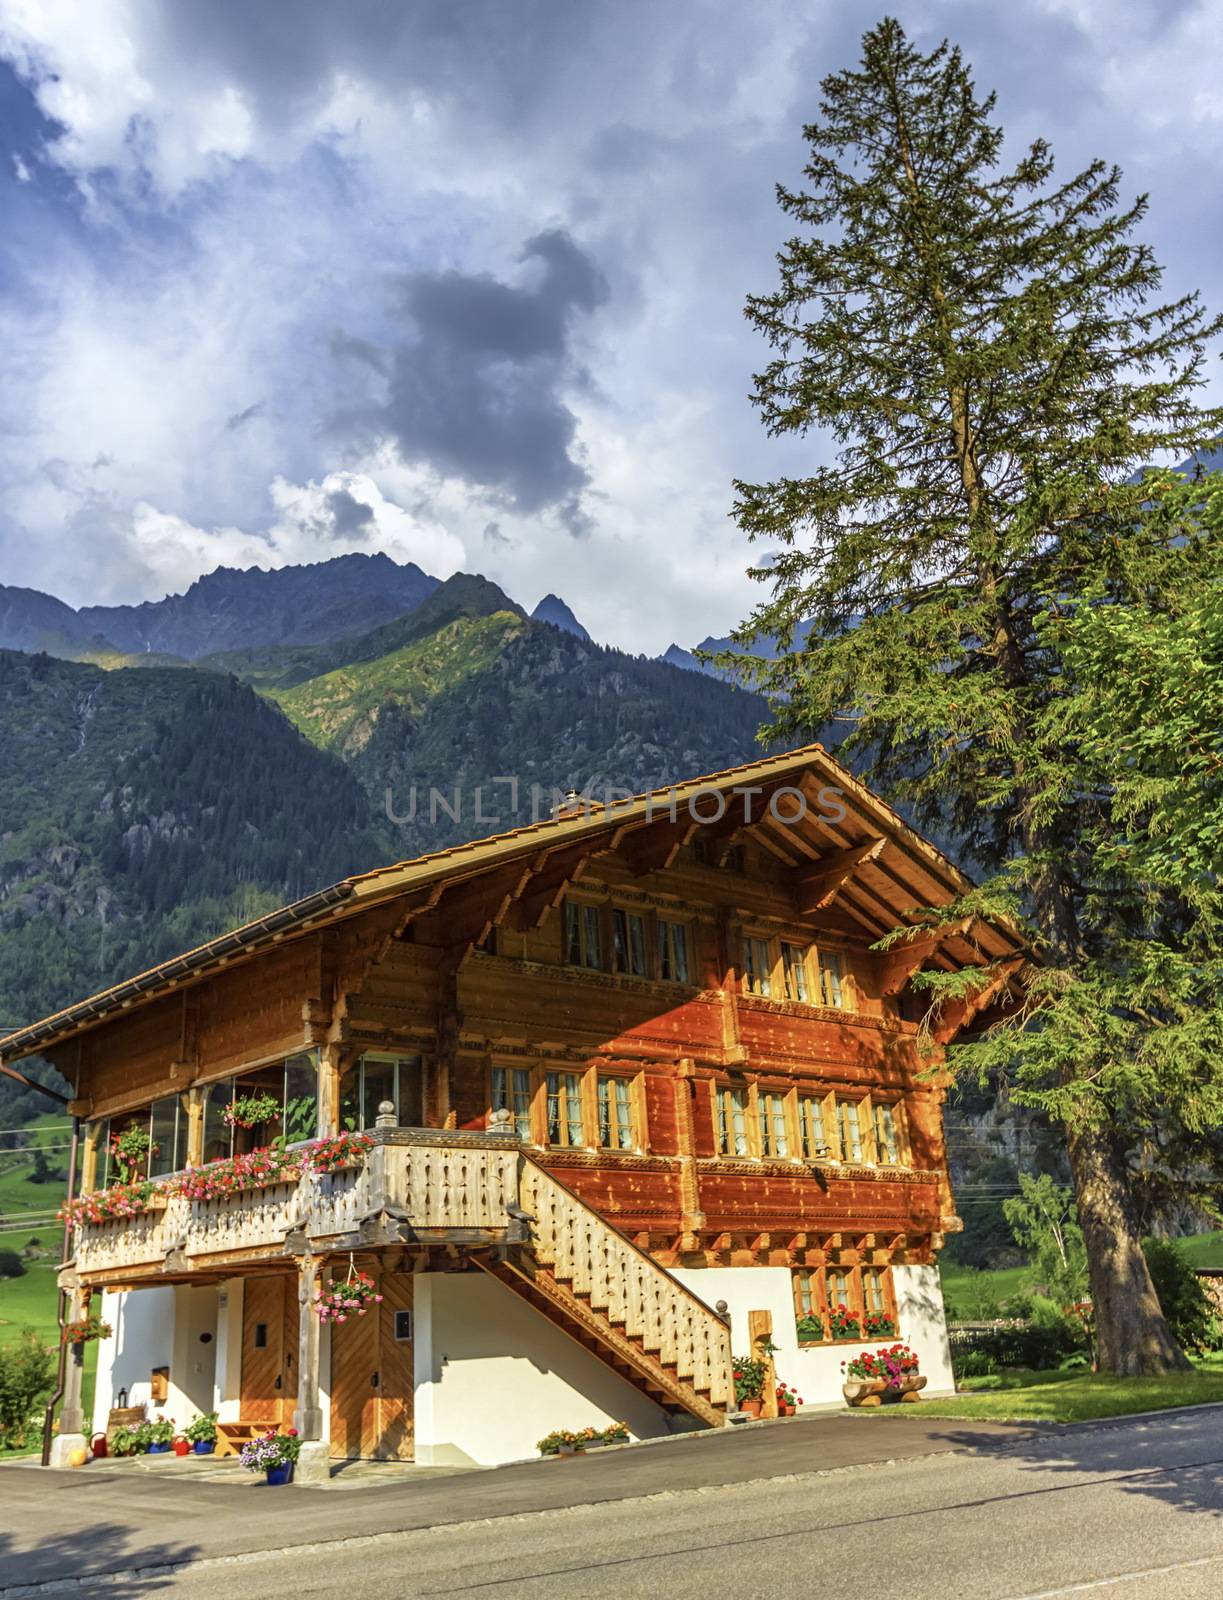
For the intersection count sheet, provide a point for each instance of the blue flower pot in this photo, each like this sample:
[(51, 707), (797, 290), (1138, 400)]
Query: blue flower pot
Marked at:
[(204, 1447), (280, 1474), (159, 1449)]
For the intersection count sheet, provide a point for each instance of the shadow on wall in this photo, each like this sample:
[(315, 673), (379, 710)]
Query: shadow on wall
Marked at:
[(105, 1551)]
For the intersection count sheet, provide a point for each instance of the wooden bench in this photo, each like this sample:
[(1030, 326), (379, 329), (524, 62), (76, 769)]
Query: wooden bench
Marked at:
[(231, 1436)]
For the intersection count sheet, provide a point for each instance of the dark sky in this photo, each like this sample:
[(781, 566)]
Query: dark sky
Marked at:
[(464, 281)]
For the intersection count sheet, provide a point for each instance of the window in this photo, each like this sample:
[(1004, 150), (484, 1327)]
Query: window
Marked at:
[(583, 935), (794, 967), (158, 1148), (832, 978), (377, 1078), (887, 1146), (850, 1124), (873, 1296), (731, 1109), (564, 1106), (771, 1111), (511, 1091), (812, 1134), (840, 1288), (673, 951), (628, 943), (615, 1100), (808, 1308), (757, 966), (292, 1084)]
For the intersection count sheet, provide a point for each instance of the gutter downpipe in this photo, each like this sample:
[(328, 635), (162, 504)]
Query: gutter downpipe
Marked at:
[(61, 1369)]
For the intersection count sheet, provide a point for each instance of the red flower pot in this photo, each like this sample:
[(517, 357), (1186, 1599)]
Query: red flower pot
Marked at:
[(751, 1408), (182, 1447)]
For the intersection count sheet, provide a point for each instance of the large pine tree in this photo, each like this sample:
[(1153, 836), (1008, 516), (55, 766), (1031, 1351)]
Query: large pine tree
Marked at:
[(988, 349)]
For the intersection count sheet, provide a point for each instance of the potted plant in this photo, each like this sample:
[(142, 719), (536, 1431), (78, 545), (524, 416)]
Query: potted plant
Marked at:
[(274, 1454), (182, 1446), (351, 1298), (788, 1400), (201, 1433), (810, 1329), (130, 1151), (128, 1441), (159, 1434), (873, 1376), (749, 1385), (251, 1110), (561, 1442), (844, 1323), (879, 1325)]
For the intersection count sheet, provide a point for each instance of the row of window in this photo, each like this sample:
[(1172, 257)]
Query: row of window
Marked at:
[(606, 938), (842, 1303), (290, 1086), (605, 1111), (779, 969), (611, 939), (575, 1110), (780, 1124)]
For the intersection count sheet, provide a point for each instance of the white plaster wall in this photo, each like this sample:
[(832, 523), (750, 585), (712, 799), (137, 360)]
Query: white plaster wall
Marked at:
[(142, 1321), (193, 1363), (816, 1373), (923, 1324), (493, 1376)]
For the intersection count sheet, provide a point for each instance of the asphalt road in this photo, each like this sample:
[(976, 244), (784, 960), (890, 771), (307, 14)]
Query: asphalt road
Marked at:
[(1110, 1512)]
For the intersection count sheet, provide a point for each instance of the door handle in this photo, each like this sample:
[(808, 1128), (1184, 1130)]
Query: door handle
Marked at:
[(278, 1384), (373, 1381)]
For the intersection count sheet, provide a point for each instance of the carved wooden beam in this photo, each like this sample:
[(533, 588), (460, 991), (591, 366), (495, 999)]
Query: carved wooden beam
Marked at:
[(820, 884), (657, 844), (956, 1015), (899, 963)]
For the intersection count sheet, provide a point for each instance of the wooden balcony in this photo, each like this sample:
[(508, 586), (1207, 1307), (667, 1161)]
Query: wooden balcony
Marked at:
[(415, 1184)]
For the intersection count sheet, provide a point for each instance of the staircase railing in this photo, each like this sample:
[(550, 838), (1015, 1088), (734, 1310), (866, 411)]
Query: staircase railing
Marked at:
[(626, 1285)]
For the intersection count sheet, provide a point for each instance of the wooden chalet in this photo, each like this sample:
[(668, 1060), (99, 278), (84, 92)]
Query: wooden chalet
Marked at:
[(635, 1083)]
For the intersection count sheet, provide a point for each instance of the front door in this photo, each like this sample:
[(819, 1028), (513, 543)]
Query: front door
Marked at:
[(372, 1374), (269, 1350)]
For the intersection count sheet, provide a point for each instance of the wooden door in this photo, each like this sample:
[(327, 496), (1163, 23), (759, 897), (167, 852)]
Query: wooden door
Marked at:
[(269, 1350), (372, 1376)]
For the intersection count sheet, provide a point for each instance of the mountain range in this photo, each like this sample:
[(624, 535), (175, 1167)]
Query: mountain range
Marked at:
[(176, 767)]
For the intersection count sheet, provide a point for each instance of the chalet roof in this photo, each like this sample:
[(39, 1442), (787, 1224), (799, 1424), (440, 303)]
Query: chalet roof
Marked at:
[(869, 861)]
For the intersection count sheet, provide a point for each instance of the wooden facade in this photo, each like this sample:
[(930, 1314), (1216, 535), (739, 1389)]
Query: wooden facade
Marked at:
[(674, 1010)]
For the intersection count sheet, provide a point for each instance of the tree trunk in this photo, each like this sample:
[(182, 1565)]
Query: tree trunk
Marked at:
[(1133, 1339)]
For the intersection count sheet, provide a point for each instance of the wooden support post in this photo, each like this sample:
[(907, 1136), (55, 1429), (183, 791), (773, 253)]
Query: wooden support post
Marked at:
[(195, 1126), (329, 1068), (760, 1332), (89, 1159), (308, 1417)]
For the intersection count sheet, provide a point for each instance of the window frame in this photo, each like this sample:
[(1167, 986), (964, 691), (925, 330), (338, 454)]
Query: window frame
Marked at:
[(672, 936)]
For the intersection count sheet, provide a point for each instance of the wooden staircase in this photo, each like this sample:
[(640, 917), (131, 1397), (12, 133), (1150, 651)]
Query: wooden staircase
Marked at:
[(594, 1283)]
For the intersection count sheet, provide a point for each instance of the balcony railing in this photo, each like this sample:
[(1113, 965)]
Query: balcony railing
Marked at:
[(425, 1179)]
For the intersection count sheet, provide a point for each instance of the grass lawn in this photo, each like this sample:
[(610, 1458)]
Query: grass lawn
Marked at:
[(1022, 1396)]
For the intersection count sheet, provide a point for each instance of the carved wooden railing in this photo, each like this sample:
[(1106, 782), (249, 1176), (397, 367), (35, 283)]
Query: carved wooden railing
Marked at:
[(627, 1286), (432, 1179)]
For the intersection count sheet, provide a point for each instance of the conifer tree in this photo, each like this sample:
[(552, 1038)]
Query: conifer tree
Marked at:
[(987, 348)]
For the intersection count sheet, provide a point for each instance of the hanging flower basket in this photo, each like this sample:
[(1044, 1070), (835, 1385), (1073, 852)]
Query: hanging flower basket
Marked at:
[(84, 1329), (249, 1110), (352, 1298), (130, 1151)]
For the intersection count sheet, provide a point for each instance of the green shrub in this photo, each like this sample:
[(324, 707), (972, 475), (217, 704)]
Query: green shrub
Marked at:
[(11, 1264), (27, 1376), (972, 1363), (1182, 1297)]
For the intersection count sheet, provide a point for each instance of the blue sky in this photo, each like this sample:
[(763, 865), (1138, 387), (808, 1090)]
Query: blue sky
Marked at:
[(463, 281)]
